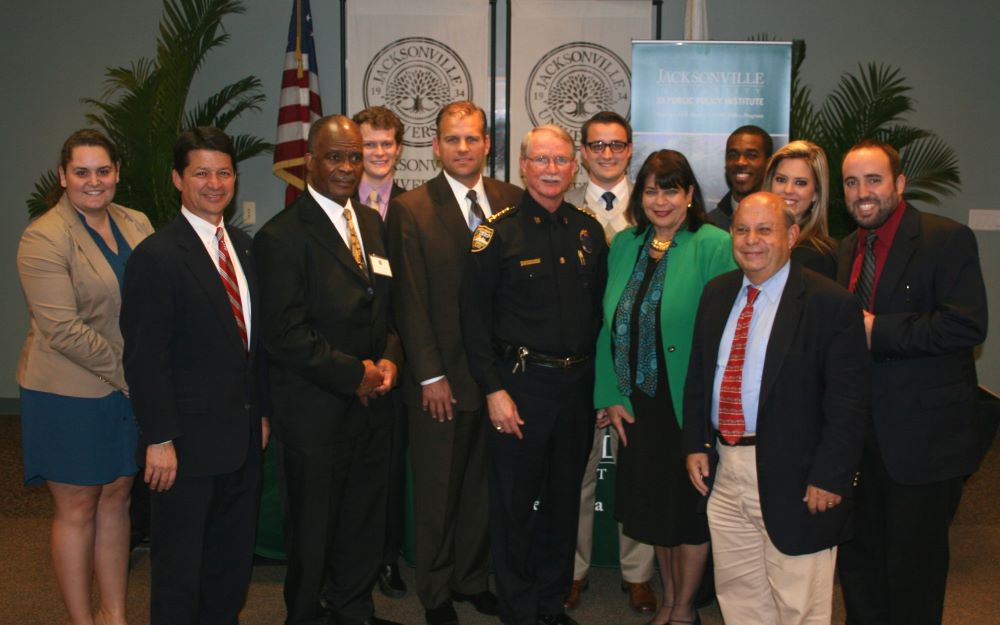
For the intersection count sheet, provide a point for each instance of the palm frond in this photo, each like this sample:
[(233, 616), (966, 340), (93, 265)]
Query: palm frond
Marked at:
[(42, 198), (931, 169), (226, 104), (249, 146), (143, 105)]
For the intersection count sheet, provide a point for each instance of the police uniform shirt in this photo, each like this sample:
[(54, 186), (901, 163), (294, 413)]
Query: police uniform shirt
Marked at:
[(536, 279)]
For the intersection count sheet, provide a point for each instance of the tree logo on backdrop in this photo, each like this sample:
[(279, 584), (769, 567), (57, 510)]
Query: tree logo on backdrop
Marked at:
[(414, 78), (572, 82)]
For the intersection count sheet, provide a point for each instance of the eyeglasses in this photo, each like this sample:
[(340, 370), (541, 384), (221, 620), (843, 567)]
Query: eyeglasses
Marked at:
[(543, 161), (598, 146)]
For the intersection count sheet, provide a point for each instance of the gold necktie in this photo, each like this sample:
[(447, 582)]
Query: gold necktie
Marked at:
[(373, 200), (352, 235)]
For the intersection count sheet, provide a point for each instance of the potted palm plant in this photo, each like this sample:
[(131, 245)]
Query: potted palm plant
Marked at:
[(144, 108)]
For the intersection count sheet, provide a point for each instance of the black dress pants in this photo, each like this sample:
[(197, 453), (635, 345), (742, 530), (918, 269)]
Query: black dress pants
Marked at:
[(533, 545)]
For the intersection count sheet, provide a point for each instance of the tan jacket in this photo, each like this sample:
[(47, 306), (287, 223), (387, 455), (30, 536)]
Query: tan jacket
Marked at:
[(74, 345)]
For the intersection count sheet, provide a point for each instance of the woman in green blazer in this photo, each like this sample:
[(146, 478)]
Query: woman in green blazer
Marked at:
[(656, 272)]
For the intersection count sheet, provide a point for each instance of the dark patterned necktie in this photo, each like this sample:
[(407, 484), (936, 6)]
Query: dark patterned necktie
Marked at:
[(476, 214), (866, 279), (609, 200), (731, 422), (228, 274)]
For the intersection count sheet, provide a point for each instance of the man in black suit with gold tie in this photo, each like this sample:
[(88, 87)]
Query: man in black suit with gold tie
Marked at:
[(191, 322), (430, 232), (333, 357)]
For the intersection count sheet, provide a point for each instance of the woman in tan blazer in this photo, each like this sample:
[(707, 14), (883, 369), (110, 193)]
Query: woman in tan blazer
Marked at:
[(78, 431)]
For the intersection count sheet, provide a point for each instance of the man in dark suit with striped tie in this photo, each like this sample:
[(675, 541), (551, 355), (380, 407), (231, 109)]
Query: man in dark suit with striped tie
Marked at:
[(919, 281), (197, 379), (778, 395)]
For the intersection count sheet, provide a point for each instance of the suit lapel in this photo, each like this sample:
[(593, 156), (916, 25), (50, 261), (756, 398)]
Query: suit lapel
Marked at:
[(243, 252), (447, 210), (88, 247), (206, 274), (786, 322), (903, 247), (319, 227), (716, 315)]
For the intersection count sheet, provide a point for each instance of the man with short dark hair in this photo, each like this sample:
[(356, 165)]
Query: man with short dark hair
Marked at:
[(531, 310), (430, 231), (196, 374), (778, 392), (334, 355), (918, 278), (606, 149), (747, 151)]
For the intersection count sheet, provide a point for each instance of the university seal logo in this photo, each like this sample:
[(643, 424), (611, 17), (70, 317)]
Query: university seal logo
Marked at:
[(414, 78), (572, 82)]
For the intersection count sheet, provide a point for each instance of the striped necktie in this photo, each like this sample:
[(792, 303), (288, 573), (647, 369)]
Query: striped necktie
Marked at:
[(866, 279), (731, 423), (228, 274)]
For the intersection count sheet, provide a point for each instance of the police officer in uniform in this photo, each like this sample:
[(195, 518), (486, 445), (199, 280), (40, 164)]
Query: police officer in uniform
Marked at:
[(531, 310)]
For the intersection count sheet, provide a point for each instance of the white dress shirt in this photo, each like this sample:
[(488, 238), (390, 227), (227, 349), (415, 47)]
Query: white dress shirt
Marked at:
[(206, 232), (336, 214), (765, 307)]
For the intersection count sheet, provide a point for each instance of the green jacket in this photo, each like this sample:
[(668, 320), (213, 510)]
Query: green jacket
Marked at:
[(696, 258)]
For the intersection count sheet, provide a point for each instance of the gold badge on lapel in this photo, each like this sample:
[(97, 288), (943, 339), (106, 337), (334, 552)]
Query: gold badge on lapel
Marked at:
[(481, 237), (585, 241)]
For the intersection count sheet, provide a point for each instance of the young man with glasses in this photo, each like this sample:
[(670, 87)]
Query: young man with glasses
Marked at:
[(606, 152)]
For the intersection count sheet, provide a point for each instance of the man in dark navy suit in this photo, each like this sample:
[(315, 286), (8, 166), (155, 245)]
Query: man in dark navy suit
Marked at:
[(198, 384)]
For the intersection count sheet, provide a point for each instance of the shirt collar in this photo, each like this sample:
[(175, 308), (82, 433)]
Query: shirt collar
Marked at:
[(460, 190), (204, 229), (333, 210), (773, 286), (384, 190), (887, 231), (594, 193)]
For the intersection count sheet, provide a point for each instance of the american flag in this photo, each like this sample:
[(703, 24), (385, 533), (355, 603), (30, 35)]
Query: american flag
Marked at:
[(300, 102)]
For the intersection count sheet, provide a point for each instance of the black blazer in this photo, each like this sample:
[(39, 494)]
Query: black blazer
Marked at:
[(930, 311), (189, 376), (813, 408), (429, 241), (321, 318)]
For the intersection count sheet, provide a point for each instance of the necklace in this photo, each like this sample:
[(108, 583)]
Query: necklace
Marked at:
[(660, 246)]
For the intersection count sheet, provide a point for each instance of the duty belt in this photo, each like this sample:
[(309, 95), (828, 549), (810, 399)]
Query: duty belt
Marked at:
[(524, 355)]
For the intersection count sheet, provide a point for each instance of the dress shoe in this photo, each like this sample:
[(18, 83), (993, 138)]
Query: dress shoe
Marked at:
[(389, 581), (573, 598), (484, 602), (640, 597), (374, 620), (443, 614), (556, 619)]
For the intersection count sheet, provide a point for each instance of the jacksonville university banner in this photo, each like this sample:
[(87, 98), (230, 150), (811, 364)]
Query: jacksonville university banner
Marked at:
[(689, 96), (569, 59), (413, 58)]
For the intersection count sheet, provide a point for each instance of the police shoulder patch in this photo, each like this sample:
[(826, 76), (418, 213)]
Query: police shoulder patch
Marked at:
[(497, 216), (481, 237)]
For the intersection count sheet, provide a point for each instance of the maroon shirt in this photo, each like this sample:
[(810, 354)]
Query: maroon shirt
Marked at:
[(886, 233)]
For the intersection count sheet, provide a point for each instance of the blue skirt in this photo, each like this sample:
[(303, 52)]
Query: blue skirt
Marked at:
[(77, 440)]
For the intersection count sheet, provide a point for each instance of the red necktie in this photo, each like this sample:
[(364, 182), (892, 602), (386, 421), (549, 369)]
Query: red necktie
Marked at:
[(731, 424), (228, 275)]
